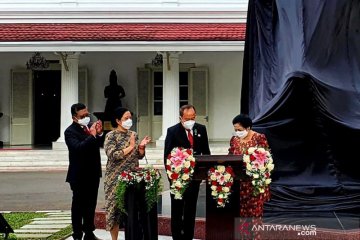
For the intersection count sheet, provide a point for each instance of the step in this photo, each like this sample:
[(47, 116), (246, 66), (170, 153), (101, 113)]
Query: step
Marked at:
[(35, 231), (67, 217), (50, 226), (47, 160), (33, 235), (49, 222)]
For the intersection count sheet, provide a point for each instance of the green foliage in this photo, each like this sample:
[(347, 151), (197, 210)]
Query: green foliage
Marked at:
[(18, 219), (120, 196), (152, 194), (62, 234), (148, 177)]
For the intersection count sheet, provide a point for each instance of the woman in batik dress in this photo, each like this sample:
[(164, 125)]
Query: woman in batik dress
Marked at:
[(123, 151)]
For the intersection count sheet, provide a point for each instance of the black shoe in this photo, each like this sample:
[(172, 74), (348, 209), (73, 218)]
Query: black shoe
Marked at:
[(77, 236), (90, 236)]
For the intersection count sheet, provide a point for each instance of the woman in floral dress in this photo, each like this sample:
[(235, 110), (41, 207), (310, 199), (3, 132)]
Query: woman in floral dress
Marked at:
[(123, 152), (250, 206)]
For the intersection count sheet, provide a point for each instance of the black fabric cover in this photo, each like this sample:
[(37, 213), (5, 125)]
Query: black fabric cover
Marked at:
[(301, 86)]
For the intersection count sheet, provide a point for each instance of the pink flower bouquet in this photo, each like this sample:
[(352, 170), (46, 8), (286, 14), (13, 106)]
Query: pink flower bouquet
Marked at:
[(180, 167)]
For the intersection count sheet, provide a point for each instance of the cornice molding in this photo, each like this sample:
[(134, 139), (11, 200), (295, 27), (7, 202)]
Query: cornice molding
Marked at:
[(122, 16), (128, 46)]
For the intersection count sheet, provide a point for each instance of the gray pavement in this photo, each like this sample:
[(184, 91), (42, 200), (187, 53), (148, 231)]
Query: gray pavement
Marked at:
[(104, 235), (34, 191)]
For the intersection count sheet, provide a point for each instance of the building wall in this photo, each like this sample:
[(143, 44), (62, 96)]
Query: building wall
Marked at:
[(225, 72)]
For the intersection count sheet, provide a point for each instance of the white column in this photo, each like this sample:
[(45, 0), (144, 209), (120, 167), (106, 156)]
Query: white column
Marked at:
[(171, 99), (69, 92)]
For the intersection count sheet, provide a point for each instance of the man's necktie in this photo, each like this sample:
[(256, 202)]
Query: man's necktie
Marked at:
[(87, 131), (190, 137)]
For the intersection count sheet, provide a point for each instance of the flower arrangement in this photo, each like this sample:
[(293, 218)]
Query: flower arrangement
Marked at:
[(180, 167), (148, 175), (221, 179), (259, 164)]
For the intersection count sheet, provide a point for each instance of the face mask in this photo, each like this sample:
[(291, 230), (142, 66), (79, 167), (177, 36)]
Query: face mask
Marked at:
[(127, 124), (241, 134), (84, 121), (189, 124)]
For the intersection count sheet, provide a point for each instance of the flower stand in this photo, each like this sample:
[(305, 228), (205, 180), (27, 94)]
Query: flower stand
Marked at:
[(220, 221)]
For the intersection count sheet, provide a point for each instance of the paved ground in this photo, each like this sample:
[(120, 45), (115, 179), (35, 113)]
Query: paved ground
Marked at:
[(44, 191), (35, 191), (104, 235)]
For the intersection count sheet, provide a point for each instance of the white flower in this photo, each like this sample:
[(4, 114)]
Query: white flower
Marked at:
[(256, 175), (226, 189), (246, 158), (213, 193), (187, 164), (168, 173), (248, 166), (221, 168), (168, 162), (213, 177), (185, 177), (221, 196), (178, 169), (253, 182), (227, 176), (213, 187), (261, 149), (178, 184), (261, 190), (251, 150), (178, 195), (270, 166), (268, 181), (262, 168)]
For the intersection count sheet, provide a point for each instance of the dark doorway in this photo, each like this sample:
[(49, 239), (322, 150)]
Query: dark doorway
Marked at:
[(47, 97)]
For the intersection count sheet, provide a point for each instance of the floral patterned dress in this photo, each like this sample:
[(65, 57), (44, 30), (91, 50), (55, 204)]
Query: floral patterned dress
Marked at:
[(115, 142), (250, 206)]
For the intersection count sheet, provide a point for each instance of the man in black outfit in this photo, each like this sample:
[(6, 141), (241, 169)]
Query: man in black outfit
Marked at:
[(84, 170), (186, 134)]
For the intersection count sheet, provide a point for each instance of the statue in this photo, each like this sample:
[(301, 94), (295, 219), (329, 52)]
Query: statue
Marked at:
[(113, 92)]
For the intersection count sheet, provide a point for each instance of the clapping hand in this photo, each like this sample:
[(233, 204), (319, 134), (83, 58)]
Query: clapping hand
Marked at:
[(92, 129), (145, 141), (98, 127)]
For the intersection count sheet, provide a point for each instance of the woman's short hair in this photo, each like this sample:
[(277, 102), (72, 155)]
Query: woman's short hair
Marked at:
[(118, 114), (243, 120)]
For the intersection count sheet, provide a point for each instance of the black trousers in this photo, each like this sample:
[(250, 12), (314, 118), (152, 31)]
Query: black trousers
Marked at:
[(83, 206), (183, 213), (139, 223)]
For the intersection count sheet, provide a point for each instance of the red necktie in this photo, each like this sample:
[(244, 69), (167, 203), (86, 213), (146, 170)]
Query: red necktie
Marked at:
[(87, 131), (190, 137)]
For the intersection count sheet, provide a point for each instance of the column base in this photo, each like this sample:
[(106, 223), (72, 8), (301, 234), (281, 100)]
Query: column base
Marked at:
[(59, 144), (160, 143)]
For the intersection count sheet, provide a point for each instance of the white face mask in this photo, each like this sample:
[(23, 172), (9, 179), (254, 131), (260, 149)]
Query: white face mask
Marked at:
[(189, 124), (127, 123), (241, 134), (84, 121)]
